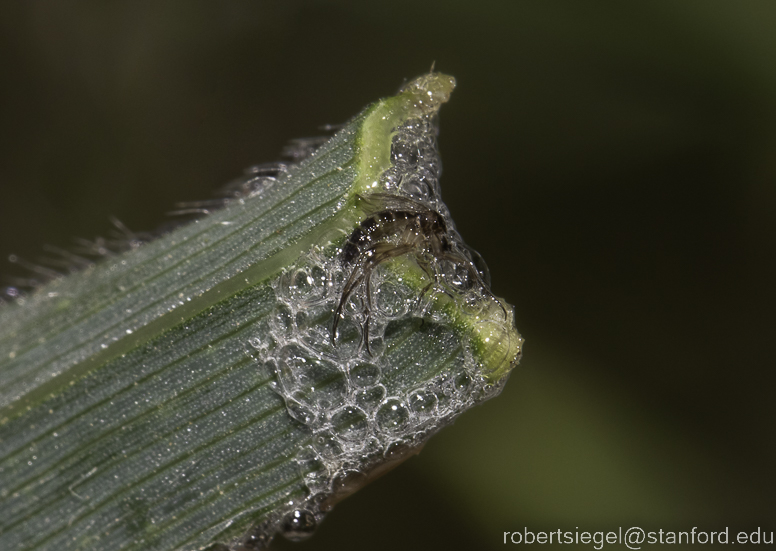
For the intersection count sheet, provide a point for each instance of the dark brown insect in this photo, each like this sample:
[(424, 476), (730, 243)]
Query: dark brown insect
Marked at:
[(401, 227)]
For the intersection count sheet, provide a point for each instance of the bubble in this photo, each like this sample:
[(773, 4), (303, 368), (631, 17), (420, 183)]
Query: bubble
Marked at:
[(318, 483), (309, 462), (319, 276), (300, 412), (256, 349), (444, 401), (348, 337), (307, 284), (395, 450), (391, 300), (282, 320), (423, 403), (319, 341), (287, 372), (298, 525), (338, 277), (459, 276), (372, 446), (403, 152), (393, 416), (473, 304), (323, 398), (350, 423), (364, 375), (479, 264), (270, 366), (348, 480), (417, 187), (376, 345), (301, 283), (368, 399), (396, 327), (354, 306), (316, 382), (462, 383), (315, 315), (332, 393), (487, 391), (327, 444)]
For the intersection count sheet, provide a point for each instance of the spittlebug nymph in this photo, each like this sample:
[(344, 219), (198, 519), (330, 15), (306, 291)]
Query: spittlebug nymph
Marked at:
[(397, 226)]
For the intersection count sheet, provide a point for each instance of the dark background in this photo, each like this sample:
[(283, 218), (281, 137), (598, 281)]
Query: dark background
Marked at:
[(614, 162)]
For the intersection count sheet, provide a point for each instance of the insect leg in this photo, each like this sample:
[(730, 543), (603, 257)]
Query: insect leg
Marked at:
[(374, 256), (367, 311), (354, 280), (426, 267), (387, 201), (479, 264)]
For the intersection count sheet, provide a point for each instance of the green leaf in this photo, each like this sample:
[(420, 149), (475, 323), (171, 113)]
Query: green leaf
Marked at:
[(191, 391)]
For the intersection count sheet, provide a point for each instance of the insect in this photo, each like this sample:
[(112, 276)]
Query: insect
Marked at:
[(398, 226)]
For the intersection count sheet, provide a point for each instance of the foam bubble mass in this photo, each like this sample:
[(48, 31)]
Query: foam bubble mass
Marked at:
[(408, 356)]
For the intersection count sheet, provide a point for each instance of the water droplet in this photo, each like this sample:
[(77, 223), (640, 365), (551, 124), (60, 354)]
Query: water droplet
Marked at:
[(350, 423), (298, 525), (364, 375), (393, 416)]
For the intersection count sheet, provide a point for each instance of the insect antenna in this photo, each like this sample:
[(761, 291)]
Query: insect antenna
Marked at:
[(479, 264)]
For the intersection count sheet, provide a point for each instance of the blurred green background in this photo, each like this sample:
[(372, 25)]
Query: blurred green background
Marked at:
[(614, 163)]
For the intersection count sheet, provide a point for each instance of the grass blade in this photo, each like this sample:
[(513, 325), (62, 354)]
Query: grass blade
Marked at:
[(188, 393)]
